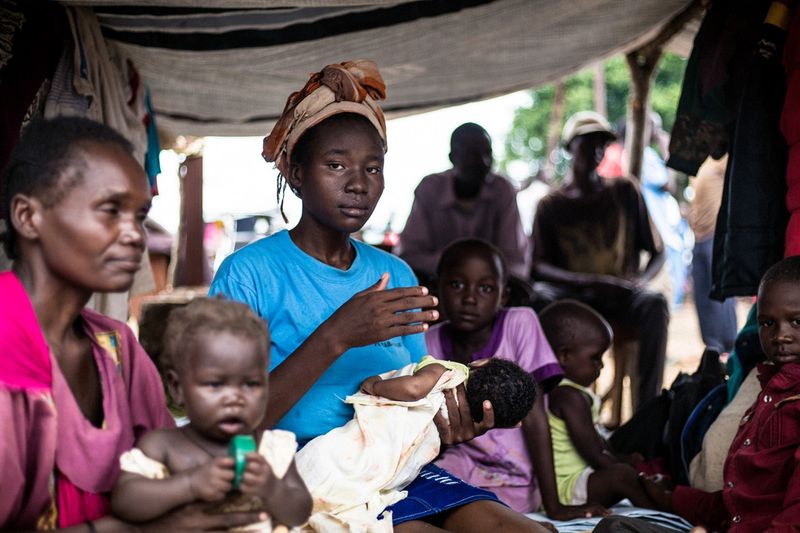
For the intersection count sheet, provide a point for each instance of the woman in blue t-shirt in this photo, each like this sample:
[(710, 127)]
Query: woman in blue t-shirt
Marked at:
[(339, 310)]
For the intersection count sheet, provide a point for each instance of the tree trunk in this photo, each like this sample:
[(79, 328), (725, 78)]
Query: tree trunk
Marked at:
[(642, 65), (554, 129), (600, 102)]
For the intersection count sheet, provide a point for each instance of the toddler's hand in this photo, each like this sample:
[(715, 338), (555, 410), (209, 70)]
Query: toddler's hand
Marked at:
[(258, 478), (367, 387), (212, 481), (658, 491)]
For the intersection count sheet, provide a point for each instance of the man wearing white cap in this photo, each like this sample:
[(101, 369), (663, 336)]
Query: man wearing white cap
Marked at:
[(588, 237)]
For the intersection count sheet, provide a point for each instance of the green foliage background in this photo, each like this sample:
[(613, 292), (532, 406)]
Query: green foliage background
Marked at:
[(527, 140)]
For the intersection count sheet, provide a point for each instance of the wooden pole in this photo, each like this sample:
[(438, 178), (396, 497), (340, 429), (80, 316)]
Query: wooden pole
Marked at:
[(191, 255), (642, 66), (642, 63), (554, 128), (600, 98)]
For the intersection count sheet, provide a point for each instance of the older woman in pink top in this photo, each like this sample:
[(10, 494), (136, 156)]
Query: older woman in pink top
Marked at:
[(76, 388)]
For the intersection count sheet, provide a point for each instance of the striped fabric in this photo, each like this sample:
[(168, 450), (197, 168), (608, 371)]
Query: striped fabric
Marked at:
[(226, 67)]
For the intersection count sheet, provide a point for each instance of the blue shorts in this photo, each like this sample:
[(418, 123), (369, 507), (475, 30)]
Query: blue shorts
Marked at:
[(433, 492)]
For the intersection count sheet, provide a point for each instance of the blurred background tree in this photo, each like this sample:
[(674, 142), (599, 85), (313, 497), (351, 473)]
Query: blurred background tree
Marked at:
[(527, 141)]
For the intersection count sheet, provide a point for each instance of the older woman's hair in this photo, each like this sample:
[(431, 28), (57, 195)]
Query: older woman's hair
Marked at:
[(48, 161)]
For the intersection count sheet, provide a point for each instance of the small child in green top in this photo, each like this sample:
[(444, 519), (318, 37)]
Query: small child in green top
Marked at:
[(587, 471)]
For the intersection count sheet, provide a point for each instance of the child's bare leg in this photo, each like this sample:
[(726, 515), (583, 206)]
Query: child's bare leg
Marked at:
[(417, 526), (609, 485), (486, 515)]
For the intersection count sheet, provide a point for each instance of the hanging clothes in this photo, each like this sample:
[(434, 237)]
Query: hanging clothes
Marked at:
[(790, 126), (152, 163), (713, 81), (105, 79), (749, 235)]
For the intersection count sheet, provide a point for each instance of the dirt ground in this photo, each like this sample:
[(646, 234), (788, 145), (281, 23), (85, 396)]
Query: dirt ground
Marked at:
[(684, 349)]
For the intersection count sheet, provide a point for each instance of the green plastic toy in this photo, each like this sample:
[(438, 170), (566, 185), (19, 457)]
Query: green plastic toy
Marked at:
[(239, 447)]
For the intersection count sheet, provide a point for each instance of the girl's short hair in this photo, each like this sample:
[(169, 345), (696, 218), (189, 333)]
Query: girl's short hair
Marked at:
[(786, 270), (209, 315), (48, 161), (565, 323), (455, 253), (508, 387)]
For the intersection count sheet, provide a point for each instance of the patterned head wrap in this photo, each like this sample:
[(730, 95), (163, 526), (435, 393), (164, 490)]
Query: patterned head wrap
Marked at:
[(349, 87)]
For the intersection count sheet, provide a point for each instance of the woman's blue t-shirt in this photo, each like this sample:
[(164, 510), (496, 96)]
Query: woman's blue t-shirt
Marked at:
[(296, 293)]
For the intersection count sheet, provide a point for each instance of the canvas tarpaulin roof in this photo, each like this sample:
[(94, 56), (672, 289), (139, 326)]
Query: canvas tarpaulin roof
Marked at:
[(227, 67)]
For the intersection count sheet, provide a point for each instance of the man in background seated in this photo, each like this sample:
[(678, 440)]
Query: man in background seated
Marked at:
[(467, 201), (588, 236)]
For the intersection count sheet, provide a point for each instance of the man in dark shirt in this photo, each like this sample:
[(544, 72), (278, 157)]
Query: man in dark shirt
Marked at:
[(588, 237)]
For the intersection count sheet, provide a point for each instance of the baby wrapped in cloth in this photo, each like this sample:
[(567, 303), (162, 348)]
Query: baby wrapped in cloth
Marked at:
[(355, 471)]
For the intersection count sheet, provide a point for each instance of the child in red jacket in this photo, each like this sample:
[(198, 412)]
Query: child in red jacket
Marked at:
[(762, 471)]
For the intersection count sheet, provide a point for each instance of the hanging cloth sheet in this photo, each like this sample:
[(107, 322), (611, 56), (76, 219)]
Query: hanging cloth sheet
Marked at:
[(98, 83)]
